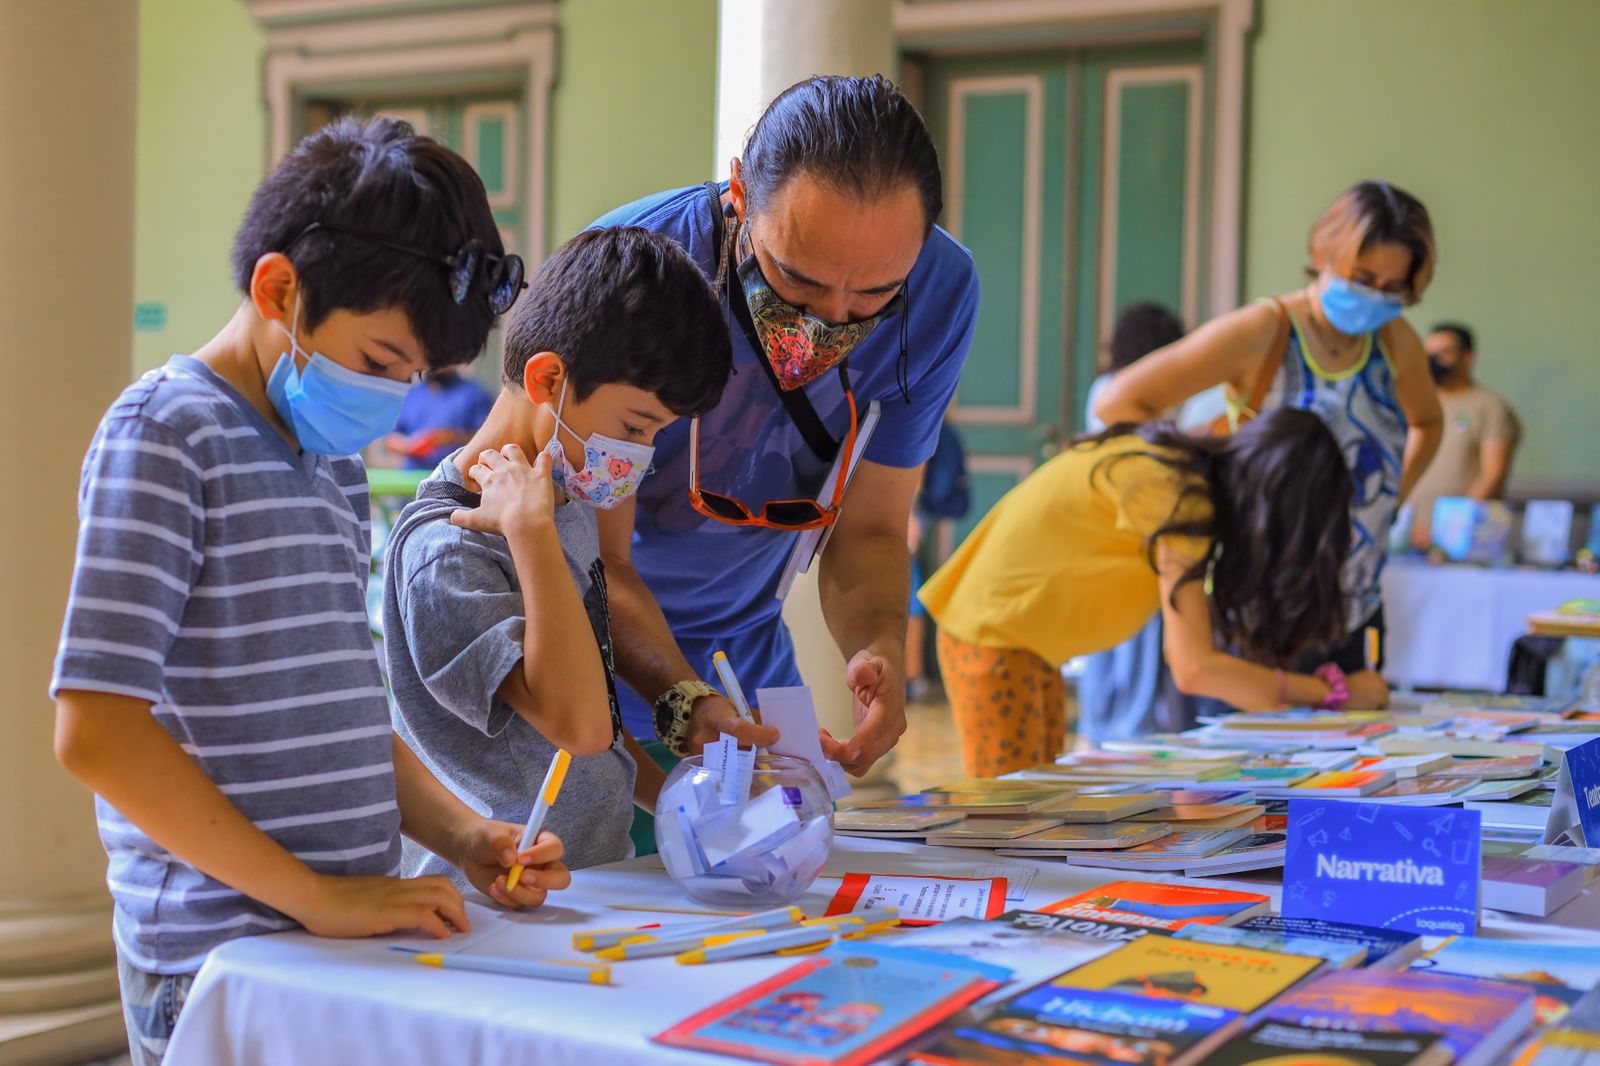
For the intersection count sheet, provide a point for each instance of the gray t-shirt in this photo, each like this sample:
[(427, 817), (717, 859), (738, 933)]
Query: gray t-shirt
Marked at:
[(453, 630)]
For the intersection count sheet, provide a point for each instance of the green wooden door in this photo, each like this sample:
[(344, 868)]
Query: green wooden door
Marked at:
[(1077, 180)]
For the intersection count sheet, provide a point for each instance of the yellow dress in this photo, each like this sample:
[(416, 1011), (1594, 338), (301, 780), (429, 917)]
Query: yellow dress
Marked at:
[(1060, 566)]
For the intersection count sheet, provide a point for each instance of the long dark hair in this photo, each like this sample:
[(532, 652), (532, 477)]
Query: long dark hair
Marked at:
[(859, 135), (1279, 526)]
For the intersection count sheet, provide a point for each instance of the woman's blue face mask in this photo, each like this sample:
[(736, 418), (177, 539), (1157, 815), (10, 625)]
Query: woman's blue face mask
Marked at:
[(1353, 308), (332, 409)]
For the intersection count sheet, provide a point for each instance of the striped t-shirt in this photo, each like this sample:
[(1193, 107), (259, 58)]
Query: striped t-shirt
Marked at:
[(222, 576)]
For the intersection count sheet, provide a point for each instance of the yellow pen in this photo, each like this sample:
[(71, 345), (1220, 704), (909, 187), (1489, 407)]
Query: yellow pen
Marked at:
[(853, 934), (815, 934), (541, 807), (719, 659), (1372, 647)]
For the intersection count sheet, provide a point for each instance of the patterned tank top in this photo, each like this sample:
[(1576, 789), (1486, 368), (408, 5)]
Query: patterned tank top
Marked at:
[(1361, 405)]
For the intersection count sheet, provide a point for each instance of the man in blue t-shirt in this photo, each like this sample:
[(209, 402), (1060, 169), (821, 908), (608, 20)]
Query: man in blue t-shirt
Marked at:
[(441, 413), (824, 251)]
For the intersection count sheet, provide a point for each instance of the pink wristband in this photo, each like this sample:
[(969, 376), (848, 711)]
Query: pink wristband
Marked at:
[(1338, 688)]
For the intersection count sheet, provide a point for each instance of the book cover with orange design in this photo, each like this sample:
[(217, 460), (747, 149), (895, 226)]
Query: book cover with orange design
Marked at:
[(1480, 1020), (1219, 975), (1162, 906)]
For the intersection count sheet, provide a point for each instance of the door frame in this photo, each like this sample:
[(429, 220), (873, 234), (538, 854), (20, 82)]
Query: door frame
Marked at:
[(953, 28), (338, 47)]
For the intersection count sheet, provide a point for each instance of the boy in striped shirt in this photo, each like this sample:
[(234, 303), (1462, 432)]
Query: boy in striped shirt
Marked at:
[(216, 683)]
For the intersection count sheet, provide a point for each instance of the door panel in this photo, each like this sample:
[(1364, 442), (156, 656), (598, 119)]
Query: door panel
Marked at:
[(1076, 179)]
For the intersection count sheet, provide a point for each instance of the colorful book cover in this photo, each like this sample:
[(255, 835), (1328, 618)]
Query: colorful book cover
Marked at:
[(1162, 906), (1149, 1001), (850, 1005), (1338, 956), (978, 829), (920, 900), (1558, 973), (1477, 1019), (1235, 813), (1256, 776), (1403, 766), (1276, 1044), (1398, 867), (1259, 851), (1076, 837), (1422, 791), (1386, 948), (1182, 797), (1101, 809), (1031, 954), (1088, 928), (1496, 790), (1492, 769), (854, 819), (1345, 782)]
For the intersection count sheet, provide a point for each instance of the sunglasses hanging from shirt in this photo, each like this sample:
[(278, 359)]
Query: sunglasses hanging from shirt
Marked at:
[(472, 268)]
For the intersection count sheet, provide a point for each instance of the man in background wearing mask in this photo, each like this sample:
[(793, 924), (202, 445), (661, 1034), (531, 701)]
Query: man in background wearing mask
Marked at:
[(1481, 431), (496, 614)]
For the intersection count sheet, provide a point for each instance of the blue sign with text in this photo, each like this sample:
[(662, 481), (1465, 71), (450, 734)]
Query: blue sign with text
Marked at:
[(1395, 867), (1583, 766)]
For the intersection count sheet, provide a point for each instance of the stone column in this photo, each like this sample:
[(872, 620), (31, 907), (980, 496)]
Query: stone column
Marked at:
[(764, 47), (67, 91)]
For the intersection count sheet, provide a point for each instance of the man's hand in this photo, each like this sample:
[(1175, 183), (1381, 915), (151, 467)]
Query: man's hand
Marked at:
[(879, 688), (715, 715)]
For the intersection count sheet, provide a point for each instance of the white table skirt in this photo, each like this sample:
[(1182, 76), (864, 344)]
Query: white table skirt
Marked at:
[(295, 1000), (1453, 626)]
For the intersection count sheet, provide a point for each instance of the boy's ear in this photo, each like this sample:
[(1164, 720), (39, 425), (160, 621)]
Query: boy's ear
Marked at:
[(273, 286), (543, 376), (736, 189)]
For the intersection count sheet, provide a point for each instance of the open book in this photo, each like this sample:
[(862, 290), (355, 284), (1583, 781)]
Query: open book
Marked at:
[(811, 543)]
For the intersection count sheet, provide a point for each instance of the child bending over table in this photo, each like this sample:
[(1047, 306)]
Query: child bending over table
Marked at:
[(1238, 541)]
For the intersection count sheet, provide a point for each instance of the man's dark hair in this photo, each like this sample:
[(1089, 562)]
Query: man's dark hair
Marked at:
[(858, 135), (1140, 330), (625, 306), (382, 179), (1461, 333)]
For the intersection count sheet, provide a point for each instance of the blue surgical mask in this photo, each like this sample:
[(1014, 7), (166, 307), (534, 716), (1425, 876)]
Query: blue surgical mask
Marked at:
[(332, 409), (1354, 309)]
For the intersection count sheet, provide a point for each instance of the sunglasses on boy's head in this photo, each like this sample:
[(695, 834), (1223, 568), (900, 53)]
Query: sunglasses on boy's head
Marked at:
[(501, 275), (775, 514)]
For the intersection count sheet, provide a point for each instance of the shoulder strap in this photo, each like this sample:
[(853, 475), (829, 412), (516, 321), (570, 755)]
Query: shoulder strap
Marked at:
[(1269, 366), (795, 401)]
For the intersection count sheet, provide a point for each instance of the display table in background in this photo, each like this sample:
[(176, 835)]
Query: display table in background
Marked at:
[(292, 998), (1452, 626)]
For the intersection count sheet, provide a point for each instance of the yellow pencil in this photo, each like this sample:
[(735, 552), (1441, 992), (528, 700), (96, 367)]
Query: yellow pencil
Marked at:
[(541, 807), (1372, 647)]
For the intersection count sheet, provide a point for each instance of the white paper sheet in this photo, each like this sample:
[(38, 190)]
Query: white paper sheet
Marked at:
[(791, 711)]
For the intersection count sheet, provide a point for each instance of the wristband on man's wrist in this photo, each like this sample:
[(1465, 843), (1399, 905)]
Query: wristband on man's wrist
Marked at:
[(674, 709)]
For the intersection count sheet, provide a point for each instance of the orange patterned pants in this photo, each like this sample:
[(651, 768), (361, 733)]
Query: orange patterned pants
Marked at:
[(1009, 705)]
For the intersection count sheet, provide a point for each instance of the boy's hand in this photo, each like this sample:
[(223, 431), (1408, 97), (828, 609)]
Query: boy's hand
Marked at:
[(490, 849), (1368, 690), (517, 496), (372, 906)]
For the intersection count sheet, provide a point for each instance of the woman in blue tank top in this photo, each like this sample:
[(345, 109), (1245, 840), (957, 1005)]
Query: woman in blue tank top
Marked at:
[(1337, 347)]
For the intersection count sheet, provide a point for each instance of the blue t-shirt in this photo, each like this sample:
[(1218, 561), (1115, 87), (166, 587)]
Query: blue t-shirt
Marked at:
[(451, 402), (717, 583)]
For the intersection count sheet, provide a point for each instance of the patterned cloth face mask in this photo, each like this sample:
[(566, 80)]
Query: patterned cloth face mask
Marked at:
[(612, 469), (800, 347)]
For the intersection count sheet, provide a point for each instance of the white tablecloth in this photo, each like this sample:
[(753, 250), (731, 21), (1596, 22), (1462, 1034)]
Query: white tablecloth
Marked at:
[(294, 1000), (1453, 626)]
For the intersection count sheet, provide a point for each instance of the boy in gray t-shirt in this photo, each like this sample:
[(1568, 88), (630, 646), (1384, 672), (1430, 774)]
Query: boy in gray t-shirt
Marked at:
[(496, 621)]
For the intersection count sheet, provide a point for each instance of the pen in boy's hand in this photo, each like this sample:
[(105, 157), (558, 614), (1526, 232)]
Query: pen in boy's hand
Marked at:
[(541, 807)]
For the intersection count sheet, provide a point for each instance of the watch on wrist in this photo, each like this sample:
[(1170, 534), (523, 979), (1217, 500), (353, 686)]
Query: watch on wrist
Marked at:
[(673, 710)]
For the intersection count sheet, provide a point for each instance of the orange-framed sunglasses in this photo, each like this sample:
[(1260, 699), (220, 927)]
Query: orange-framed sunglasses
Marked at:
[(791, 515)]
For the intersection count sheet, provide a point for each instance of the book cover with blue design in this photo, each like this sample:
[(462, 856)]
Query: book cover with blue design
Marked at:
[(1411, 868), (1387, 949)]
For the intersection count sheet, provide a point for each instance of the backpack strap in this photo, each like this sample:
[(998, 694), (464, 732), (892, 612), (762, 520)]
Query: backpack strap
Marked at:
[(795, 401)]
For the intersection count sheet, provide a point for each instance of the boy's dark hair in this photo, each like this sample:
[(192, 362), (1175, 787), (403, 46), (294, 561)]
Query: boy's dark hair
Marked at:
[(625, 306), (1140, 330), (1462, 334), (379, 178), (858, 135), (1280, 493)]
